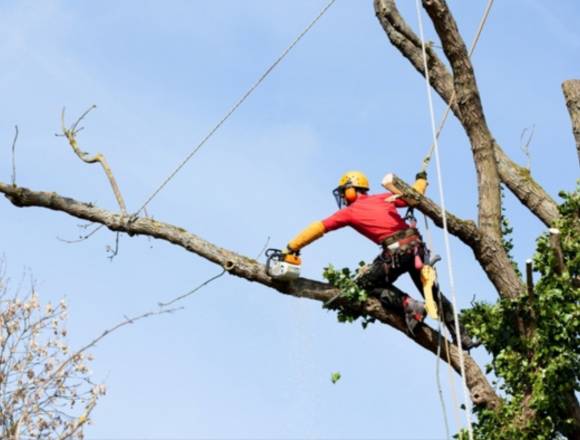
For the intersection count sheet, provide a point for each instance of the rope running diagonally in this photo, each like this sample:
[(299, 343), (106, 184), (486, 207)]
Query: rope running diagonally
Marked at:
[(466, 400), (482, 23), (238, 103)]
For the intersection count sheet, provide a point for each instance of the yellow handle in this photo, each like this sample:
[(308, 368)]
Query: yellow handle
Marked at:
[(428, 277)]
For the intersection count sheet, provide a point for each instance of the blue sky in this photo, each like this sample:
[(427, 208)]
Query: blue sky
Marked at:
[(242, 361)]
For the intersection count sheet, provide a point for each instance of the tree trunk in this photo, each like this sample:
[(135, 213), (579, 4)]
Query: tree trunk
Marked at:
[(571, 90)]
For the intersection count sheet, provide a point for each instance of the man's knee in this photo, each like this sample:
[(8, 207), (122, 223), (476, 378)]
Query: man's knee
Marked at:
[(391, 296), (371, 276)]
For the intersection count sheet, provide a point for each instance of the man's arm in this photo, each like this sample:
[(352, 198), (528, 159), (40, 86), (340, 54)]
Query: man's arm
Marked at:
[(317, 229), (312, 232), (420, 186)]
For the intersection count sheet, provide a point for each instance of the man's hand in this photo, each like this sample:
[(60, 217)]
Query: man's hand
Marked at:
[(420, 184), (289, 251), (291, 256)]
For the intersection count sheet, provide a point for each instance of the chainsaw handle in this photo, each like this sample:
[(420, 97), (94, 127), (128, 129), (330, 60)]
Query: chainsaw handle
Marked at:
[(272, 254)]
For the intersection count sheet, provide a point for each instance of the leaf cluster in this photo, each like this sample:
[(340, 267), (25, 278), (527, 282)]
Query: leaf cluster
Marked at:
[(352, 296), (538, 369)]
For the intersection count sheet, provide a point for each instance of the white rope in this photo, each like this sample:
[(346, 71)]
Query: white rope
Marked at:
[(431, 247), (482, 22), (238, 103), (466, 400), (425, 164)]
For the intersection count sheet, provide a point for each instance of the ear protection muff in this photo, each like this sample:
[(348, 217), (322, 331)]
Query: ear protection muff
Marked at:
[(350, 194)]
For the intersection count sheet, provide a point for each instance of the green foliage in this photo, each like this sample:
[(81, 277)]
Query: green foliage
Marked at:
[(506, 234), (536, 370), (351, 297), (335, 377)]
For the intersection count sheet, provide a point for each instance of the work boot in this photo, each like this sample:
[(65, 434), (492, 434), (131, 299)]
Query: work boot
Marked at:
[(414, 313), (467, 342)]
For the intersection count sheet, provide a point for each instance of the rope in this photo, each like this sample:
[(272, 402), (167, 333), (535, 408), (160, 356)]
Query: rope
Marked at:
[(236, 106), (466, 402), (482, 23), (438, 378), (431, 248)]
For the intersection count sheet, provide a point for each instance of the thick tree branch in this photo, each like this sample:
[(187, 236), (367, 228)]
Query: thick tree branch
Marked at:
[(409, 44), (487, 249), (251, 270), (472, 116), (516, 178), (529, 192), (571, 89)]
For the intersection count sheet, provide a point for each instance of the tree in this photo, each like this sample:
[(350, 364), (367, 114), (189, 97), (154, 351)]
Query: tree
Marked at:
[(45, 388), (484, 238)]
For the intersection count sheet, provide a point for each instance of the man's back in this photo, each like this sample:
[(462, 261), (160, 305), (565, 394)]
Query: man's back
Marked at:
[(371, 216)]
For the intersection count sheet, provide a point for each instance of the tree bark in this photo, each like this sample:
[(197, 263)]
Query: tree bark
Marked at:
[(464, 100), (487, 250), (516, 178), (244, 267), (472, 116), (571, 89)]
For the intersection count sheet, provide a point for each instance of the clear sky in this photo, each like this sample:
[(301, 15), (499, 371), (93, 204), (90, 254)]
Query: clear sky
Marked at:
[(242, 361)]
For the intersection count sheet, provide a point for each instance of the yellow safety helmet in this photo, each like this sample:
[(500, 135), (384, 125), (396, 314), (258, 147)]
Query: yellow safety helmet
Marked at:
[(349, 183)]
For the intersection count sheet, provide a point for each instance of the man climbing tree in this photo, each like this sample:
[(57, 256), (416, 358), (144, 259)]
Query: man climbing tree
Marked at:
[(403, 250), (531, 331)]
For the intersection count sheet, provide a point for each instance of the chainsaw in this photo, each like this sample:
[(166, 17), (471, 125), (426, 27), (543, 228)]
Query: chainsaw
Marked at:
[(282, 266)]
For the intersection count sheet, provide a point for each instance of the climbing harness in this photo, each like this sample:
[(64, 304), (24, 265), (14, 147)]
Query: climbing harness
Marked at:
[(238, 103)]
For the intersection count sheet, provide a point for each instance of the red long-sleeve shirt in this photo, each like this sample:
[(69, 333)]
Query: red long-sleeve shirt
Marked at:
[(371, 216)]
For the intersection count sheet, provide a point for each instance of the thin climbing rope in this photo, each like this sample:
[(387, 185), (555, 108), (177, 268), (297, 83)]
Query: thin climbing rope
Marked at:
[(424, 167), (482, 23), (467, 402), (238, 103), (431, 248)]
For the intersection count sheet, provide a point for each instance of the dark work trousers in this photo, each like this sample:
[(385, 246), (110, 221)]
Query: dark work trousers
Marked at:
[(378, 278)]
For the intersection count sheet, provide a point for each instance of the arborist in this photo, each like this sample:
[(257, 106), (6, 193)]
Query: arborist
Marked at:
[(376, 217)]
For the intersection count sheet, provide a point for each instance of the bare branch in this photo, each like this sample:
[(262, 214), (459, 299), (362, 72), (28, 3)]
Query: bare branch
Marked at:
[(409, 44), (472, 116), (251, 270), (70, 134), (529, 192), (525, 144), (263, 248), (114, 250), (516, 178), (571, 89), (559, 264), (14, 155), (82, 237), (191, 292)]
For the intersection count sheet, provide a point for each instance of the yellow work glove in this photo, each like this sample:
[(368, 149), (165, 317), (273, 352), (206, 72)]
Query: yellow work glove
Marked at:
[(420, 184), (291, 257), (307, 236)]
